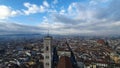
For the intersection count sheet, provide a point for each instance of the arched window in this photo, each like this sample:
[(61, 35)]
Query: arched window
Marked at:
[(47, 48), (47, 57)]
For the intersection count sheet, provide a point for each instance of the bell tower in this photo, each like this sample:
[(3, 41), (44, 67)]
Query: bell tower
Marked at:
[(47, 52)]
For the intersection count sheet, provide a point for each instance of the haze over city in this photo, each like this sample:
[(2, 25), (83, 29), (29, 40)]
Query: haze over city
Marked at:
[(61, 17)]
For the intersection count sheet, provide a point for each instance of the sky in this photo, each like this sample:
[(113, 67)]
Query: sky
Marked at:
[(62, 17)]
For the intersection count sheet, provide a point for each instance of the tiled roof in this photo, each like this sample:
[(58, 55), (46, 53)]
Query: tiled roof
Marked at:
[(64, 62), (101, 41)]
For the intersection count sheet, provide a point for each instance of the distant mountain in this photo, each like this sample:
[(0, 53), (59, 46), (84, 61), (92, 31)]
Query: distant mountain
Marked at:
[(20, 36)]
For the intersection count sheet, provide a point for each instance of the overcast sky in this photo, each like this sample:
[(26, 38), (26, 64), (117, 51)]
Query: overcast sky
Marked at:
[(64, 17)]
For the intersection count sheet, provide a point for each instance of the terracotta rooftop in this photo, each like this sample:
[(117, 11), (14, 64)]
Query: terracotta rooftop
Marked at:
[(64, 62), (101, 41)]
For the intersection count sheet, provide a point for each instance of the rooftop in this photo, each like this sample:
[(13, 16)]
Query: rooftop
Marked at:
[(64, 62)]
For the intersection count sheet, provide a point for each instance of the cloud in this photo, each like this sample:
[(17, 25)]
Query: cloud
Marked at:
[(87, 20), (6, 12), (45, 3), (55, 1), (65, 19), (97, 2), (33, 8), (13, 28), (62, 12), (111, 12), (99, 17)]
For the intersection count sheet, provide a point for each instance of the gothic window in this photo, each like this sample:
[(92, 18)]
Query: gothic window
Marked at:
[(47, 57), (47, 48), (47, 64)]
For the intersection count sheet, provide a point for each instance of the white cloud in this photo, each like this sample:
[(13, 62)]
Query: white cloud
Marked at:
[(16, 12), (45, 3), (86, 20), (77, 9), (95, 2), (42, 9), (62, 12), (6, 12), (52, 26), (55, 1), (33, 8)]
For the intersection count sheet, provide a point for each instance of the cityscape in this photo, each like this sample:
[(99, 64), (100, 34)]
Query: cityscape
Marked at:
[(59, 52), (59, 34)]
